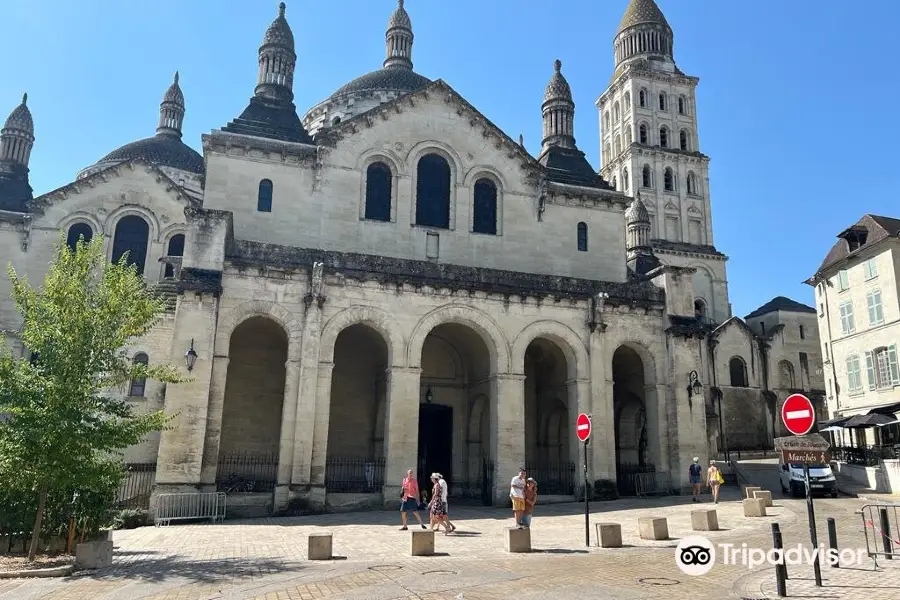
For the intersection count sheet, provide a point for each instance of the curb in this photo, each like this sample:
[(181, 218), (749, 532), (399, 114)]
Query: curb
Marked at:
[(50, 572)]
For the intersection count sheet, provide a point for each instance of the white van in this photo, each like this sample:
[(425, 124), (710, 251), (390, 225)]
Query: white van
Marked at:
[(821, 480)]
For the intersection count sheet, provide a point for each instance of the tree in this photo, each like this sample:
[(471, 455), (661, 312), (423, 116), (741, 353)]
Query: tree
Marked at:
[(64, 426)]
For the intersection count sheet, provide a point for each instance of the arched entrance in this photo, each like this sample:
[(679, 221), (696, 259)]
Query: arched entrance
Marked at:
[(251, 413), (631, 419), (354, 461), (548, 455), (454, 412)]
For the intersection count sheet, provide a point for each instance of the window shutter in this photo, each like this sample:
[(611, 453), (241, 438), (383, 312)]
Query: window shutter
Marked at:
[(870, 369), (892, 362)]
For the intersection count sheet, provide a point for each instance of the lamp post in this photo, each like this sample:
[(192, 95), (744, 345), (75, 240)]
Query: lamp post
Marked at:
[(190, 357), (429, 395)]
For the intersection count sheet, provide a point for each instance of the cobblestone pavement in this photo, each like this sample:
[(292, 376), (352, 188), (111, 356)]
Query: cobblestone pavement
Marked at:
[(266, 559)]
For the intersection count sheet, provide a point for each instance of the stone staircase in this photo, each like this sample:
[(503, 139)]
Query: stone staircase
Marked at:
[(168, 290)]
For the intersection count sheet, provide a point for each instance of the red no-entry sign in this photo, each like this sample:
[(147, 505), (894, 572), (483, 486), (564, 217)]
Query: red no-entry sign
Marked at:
[(583, 427), (798, 414)]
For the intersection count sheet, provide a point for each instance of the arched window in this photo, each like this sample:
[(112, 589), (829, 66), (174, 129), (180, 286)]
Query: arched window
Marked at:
[(615, 183), (683, 138), (335, 121), (132, 236), (646, 180), (618, 145), (700, 308), (433, 192), (628, 136), (642, 133), (582, 237), (691, 184), (681, 104), (616, 113), (627, 100), (669, 180), (378, 192), (138, 386), (606, 120), (786, 375), (176, 248), (485, 214), (664, 137), (662, 101), (264, 198), (79, 231), (642, 98), (737, 369), (625, 178), (607, 152)]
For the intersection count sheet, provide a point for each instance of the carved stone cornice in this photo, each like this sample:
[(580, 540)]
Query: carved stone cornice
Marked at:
[(256, 148)]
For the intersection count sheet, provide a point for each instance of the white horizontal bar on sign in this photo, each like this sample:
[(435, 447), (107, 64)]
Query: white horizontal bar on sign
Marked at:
[(583, 427), (798, 414)]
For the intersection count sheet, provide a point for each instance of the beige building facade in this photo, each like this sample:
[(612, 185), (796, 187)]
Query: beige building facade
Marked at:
[(391, 282)]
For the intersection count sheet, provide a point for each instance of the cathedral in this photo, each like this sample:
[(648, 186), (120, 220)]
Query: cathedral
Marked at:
[(390, 282)]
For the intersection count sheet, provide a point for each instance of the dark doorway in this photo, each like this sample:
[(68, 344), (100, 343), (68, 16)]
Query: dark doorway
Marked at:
[(435, 444)]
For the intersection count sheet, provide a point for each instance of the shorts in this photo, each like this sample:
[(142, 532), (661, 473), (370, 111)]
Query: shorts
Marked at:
[(409, 505), (518, 503), (526, 519), (695, 479)]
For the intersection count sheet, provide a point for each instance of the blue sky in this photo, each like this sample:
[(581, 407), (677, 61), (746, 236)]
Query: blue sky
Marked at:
[(788, 98)]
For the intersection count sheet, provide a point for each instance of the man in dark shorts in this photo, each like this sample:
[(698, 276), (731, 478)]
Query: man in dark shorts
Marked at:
[(409, 500), (696, 471)]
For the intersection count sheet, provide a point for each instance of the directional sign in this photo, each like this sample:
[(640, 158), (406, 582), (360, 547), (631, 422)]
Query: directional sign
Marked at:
[(805, 457), (798, 414), (813, 441), (583, 427)]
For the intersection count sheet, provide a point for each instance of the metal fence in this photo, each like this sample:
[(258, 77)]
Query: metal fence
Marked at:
[(190, 506), (627, 473), (247, 472), (868, 456), (653, 483), (354, 475), (882, 530), (135, 490), (553, 478)]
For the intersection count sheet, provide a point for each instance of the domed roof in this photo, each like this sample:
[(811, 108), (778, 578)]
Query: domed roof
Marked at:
[(279, 32), (400, 18), (20, 118), (163, 150), (389, 79), (642, 11), (637, 212), (558, 88)]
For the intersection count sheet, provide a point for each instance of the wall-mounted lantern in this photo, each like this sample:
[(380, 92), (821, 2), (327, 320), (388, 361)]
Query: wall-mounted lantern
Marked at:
[(190, 357)]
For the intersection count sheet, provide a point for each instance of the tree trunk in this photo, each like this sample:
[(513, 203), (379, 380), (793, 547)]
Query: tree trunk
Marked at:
[(36, 534)]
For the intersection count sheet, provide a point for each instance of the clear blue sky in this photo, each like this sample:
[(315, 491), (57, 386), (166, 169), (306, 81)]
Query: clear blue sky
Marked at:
[(789, 98)]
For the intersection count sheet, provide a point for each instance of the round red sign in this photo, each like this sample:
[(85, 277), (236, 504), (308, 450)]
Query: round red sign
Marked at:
[(583, 427), (798, 414)]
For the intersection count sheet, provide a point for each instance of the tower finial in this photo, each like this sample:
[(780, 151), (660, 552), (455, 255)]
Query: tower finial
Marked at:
[(281, 8), (176, 78), (171, 110), (399, 39), (275, 79), (557, 65), (558, 111), (400, 3), (25, 98)]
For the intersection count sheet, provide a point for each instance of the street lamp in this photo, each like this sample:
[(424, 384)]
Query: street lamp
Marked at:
[(694, 386), (429, 395), (190, 357)]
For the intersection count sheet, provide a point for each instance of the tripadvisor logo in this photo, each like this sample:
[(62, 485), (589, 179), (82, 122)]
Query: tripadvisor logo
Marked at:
[(695, 555)]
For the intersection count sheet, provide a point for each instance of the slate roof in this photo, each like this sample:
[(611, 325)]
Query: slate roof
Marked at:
[(783, 304), (642, 11), (877, 228), (273, 119), (160, 149), (568, 165), (392, 79)]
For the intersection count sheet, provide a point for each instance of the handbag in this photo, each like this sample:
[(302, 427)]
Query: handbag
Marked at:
[(719, 477)]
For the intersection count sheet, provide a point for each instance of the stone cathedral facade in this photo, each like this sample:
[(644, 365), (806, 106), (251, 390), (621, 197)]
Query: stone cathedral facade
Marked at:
[(391, 282)]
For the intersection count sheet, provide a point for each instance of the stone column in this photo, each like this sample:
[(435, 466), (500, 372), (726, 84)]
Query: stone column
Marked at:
[(319, 421), (507, 431), (306, 402), (657, 414), (288, 427), (401, 429), (218, 381), (687, 413), (579, 401), (603, 442)]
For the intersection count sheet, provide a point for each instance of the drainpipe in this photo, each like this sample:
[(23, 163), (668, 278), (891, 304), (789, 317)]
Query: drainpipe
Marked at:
[(837, 386)]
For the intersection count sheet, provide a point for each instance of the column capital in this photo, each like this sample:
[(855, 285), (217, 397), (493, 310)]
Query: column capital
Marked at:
[(326, 366), (508, 376), (578, 380), (404, 370)]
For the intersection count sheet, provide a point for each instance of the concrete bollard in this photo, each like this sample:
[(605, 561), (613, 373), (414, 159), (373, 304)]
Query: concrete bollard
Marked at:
[(320, 546), (93, 555), (421, 542), (609, 535), (653, 528), (754, 507), (749, 489), (704, 520), (518, 540), (765, 495)]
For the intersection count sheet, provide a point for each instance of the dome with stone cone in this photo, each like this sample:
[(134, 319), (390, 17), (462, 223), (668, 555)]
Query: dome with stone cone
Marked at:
[(279, 32), (558, 88), (400, 18), (174, 93), (637, 212), (20, 118), (640, 12)]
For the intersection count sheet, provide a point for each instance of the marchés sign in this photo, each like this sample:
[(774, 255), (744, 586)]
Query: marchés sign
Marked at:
[(805, 457)]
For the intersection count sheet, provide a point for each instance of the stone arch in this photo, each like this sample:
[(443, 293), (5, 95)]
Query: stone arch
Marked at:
[(259, 308), (375, 318), (81, 217), (479, 171), (486, 327), (385, 155), (440, 148), (651, 373), (132, 209), (573, 348)]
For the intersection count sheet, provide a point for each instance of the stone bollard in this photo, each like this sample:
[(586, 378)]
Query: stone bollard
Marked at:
[(320, 546), (421, 542), (653, 528), (749, 489), (93, 555), (754, 507), (704, 520), (609, 535), (518, 540), (766, 495)]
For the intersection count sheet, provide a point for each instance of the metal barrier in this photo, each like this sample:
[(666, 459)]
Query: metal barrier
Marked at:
[(653, 484), (193, 505), (881, 527)]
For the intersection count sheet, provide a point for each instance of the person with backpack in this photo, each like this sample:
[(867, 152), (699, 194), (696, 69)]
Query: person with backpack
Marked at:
[(696, 472)]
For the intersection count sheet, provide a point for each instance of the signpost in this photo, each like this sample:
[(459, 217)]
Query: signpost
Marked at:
[(806, 449), (583, 431)]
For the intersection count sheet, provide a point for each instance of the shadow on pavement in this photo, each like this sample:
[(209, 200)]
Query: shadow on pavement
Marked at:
[(158, 569)]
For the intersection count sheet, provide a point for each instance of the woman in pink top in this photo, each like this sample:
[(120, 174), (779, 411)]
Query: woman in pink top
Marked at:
[(409, 499)]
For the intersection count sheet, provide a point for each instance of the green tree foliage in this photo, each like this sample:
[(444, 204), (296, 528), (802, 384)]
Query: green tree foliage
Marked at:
[(63, 429)]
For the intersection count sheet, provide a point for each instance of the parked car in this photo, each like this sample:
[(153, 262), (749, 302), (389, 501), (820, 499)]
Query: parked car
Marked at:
[(821, 480)]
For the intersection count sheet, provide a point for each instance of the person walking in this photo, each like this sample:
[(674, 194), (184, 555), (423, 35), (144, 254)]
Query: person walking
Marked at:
[(409, 500), (444, 492), (696, 471), (517, 495), (436, 506), (714, 479), (531, 497)]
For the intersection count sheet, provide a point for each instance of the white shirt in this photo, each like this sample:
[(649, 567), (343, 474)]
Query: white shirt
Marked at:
[(443, 485), (517, 487)]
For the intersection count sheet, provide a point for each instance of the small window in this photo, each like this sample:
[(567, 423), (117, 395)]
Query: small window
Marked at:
[(335, 121), (882, 367), (616, 112), (138, 386), (627, 100), (625, 178), (646, 179), (854, 381), (628, 135), (847, 325), (618, 145), (802, 333), (669, 180), (175, 248), (662, 101), (737, 369), (606, 120), (870, 269), (683, 139), (691, 184), (264, 198), (615, 183), (699, 309), (681, 105), (379, 185), (873, 303), (582, 237), (843, 282), (79, 231), (642, 98), (485, 217), (433, 192), (762, 328), (663, 137), (821, 309), (642, 133)]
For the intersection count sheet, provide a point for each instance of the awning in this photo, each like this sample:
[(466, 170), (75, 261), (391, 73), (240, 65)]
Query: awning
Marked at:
[(838, 422), (889, 410), (869, 420)]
